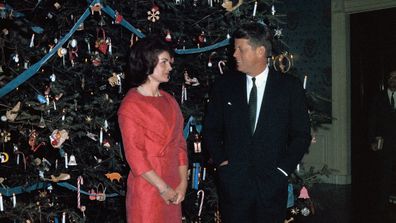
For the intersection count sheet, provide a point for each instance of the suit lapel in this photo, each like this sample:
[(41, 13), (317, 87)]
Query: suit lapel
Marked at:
[(265, 108), (239, 92)]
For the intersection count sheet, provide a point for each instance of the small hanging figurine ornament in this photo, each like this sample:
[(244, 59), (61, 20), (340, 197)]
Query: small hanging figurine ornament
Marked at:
[(57, 138), (153, 14), (73, 49), (101, 43), (97, 7)]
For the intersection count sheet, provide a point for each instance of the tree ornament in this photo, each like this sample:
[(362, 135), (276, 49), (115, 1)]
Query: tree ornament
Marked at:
[(114, 80), (80, 27), (73, 49), (305, 211), (291, 219), (57, 138), (57, 5), (133, 39), (303, 193), (254, 8), (15, 57), (190, 81), (113, 176), (32, 138), (32, 41), (210, 64), (118, 17), (100, 192), (168, 37), (72, 161), (42, 122), (282, 62), (183, 94), (153, 14), (229, 7), (96, 60), (278, 33), (5, 136), (202, 38), (106, 143), (13, 113), (4, 157), (100, 43), (221, 65), (97, 7), (61, 53), (273, 11), (92, 194), (61, 177), (102, 22)]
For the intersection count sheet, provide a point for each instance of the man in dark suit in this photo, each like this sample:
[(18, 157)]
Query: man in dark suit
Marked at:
[(382, 136), (257, 130)]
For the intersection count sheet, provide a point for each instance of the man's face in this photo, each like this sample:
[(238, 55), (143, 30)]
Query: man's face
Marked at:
[(392, 81), (248, 59)]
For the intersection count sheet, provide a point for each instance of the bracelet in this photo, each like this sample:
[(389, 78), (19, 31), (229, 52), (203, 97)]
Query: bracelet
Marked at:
[(165, 190)]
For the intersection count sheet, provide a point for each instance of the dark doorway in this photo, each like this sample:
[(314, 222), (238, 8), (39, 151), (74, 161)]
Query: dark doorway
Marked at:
[(373, 56)]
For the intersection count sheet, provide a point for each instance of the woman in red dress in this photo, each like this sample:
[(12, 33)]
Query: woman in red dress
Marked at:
[(151, 126)]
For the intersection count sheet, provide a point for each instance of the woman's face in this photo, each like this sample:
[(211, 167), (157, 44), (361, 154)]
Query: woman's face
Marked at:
[(162, 69)]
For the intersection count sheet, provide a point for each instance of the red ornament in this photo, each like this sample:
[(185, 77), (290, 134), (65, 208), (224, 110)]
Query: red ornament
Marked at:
[(168, 37), (202, 38), (118, 18)]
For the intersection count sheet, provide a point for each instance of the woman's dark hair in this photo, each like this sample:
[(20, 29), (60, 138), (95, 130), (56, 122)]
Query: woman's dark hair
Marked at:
[(143, 58), (258, 35)]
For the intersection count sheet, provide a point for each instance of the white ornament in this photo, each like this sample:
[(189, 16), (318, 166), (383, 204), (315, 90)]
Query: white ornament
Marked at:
[(278, 33), (73, 43), (273, 11)]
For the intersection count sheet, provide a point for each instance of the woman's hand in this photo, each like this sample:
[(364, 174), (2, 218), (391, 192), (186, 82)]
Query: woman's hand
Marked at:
[(168, 194), (181, 192)]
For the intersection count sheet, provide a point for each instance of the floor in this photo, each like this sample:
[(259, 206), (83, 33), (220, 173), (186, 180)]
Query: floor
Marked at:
[(338, 204), (353, 203)]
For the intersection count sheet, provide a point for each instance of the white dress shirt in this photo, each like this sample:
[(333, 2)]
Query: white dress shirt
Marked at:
[(390, 96), (261, 80)]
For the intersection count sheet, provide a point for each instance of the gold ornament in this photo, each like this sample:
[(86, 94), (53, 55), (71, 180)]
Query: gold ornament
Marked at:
[(283, 62)]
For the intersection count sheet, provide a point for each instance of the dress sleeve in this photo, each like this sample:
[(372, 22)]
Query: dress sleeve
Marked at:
[(133, 141), (182, 150), (181, 141)]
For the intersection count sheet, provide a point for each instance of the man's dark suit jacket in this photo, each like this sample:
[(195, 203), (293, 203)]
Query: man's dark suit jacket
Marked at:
[(382, 122), (281, 138)]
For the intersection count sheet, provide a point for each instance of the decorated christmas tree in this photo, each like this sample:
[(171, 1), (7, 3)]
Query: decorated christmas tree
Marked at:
[(62, 79)]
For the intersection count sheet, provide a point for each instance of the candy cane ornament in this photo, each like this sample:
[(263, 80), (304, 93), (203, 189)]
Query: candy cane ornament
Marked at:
[(221, 64), (201, 203), (80, 181)]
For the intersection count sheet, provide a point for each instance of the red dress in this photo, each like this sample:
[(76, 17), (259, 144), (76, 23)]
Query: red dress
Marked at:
[(151, 129)]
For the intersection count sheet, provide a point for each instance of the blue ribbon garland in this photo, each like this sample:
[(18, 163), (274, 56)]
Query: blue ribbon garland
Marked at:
[(24, 76), (40, 185)]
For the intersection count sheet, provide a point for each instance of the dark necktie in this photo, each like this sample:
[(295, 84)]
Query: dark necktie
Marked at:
[(253, 105), (392, 101)]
